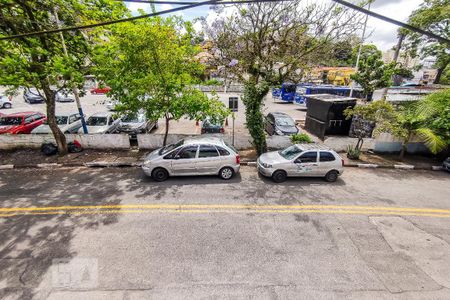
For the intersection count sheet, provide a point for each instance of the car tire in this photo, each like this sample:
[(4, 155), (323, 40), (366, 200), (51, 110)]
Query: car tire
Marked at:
[(7, 105), (226, 173), (332, 176), (279, 176), (160, 174)]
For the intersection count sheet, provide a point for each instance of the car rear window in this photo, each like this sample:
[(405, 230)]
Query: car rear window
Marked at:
[(326, 156), (11, 121)]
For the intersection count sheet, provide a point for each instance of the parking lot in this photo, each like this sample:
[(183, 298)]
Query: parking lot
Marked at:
[(97, 103)]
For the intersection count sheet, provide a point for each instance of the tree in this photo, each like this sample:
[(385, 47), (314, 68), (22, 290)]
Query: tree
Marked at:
[(433, 16), (40, 61), (264, 44), (373, 73), (408, 124), (150, 65)]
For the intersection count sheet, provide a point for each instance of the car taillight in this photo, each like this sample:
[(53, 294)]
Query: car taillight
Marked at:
[(222, 130), (342, 160), (238, 159)]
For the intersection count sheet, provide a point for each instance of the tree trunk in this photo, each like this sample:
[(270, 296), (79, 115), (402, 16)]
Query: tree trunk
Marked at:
[(253, 100), (60, 138), (440, 71), (403, 151), (166, 133)]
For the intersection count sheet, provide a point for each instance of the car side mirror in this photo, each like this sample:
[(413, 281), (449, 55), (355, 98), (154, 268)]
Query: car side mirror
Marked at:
[(298, 161), (176, 157)]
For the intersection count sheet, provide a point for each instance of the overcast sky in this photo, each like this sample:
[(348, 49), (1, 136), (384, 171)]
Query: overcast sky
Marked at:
[(383, 35)]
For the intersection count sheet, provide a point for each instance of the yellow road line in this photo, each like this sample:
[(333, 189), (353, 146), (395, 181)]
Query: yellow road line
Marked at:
[(224, 206), (203, 211)]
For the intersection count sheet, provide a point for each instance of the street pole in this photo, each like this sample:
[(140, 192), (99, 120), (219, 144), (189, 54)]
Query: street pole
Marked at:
[(232, 138), (74, 89), (359, 50)]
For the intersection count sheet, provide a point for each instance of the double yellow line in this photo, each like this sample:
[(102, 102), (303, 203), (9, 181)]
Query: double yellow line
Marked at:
[(223, 208)]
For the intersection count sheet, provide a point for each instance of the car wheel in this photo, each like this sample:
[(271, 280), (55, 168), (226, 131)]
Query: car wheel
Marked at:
[(226, 173), (279, 176), (7, 105), (160, 174), (332, 176)]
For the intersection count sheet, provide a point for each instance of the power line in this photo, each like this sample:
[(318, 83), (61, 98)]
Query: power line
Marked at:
[(398, 23), (167, 11), (214, 2), (189, 3)]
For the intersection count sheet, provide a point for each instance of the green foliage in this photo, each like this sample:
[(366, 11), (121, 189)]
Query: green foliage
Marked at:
[(212, 82), (373, 73), (149, 64), (432, 15), (353, 152), (301, 138), (40, 61)]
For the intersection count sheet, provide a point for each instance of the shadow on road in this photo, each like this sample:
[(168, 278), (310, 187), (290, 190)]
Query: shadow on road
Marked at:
[(30, 243)]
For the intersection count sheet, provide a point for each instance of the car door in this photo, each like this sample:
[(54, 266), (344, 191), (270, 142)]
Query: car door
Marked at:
[(327, 162), (28, 124), (184, 162), (306, 164), (74, 123), (208, 161)]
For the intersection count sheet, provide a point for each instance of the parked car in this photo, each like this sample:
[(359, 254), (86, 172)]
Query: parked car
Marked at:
[(64, 96), (194, 156), (209, 126), (100, 90), (280, 124), (135, 124), (446, 164), (68, 123), (23, 122), (307, 160), (5, 102), (103, 122), (32, 95)]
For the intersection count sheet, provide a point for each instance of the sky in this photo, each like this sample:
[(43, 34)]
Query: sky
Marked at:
[(382, 34)]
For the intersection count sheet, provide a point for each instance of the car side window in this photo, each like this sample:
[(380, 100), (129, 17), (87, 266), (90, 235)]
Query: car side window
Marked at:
[(37, 117), (188, 152), (307, 157), (28, 120), (222, 151), (74, 118), (326, 156), (208, 151), (270, 119)]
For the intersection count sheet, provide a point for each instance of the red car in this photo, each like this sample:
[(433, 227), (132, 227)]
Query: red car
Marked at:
[(22, 122), (102, 90)]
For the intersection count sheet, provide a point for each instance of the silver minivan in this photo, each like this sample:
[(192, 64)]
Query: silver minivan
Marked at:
[(193, 156), (308, 160)]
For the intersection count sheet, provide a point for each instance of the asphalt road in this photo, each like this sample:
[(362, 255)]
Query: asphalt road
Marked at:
[(115, 234)]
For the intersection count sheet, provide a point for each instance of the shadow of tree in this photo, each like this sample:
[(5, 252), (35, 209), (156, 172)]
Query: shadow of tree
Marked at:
[(30, 243)]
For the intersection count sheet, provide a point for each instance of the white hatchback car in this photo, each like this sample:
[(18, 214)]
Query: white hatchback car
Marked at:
[(301, 160)]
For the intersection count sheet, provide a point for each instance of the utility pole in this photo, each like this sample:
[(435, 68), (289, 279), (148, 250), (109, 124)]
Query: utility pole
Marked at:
[(359, 50), (74, 89)]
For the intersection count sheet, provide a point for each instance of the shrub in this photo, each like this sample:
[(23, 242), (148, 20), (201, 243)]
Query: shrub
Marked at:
[(212, 82), (301, 138), (353, 152)]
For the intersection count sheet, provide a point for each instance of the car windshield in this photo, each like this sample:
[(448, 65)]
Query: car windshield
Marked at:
[(10, 121), (97, 121), (290, 152), (170, 147), (133, 119), (60, 120), (283, 121)]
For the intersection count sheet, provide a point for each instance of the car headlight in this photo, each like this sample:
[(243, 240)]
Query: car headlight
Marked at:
[(279, 132), (267, 166)]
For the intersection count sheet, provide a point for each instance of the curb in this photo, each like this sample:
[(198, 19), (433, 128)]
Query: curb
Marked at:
[(105, 164)]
